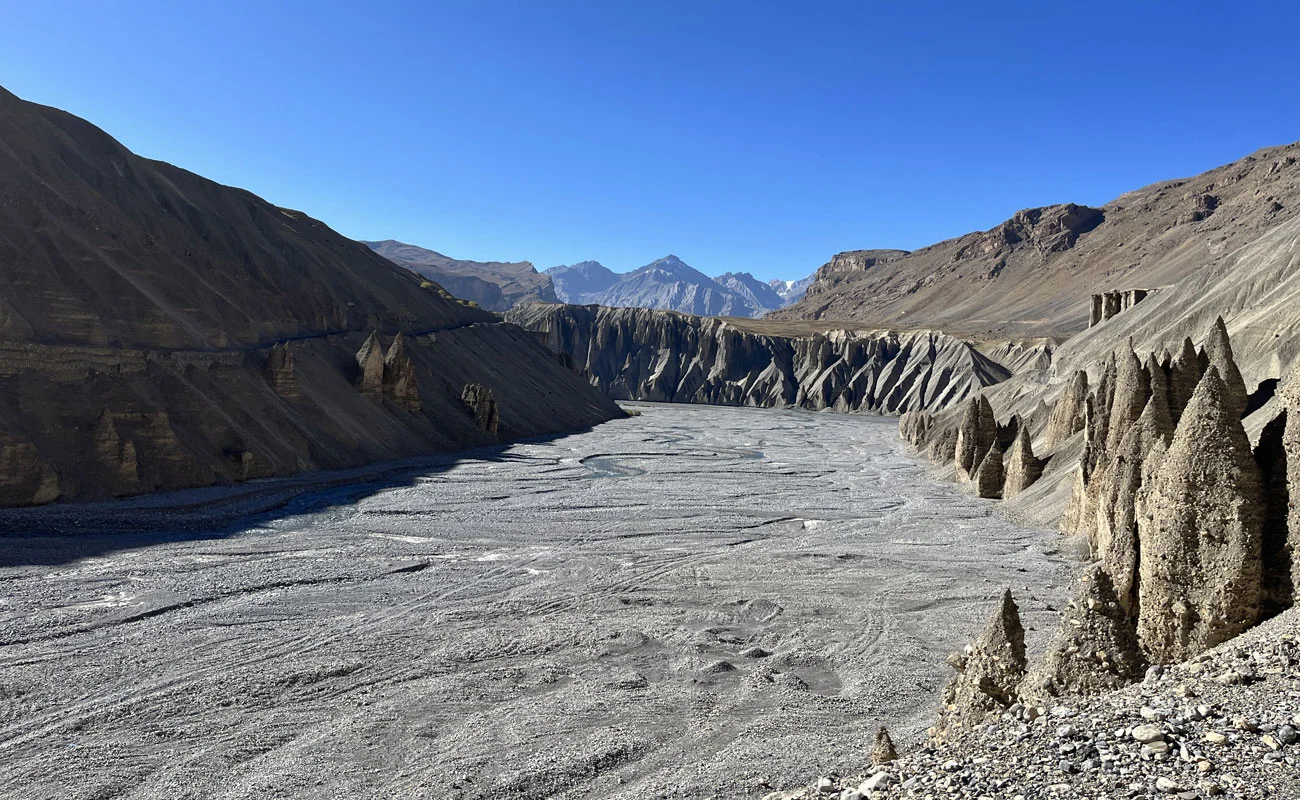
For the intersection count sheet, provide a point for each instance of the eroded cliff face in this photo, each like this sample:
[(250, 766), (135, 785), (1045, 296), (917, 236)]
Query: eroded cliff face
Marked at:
[(1189, 522), (81, 423), (639, 354)]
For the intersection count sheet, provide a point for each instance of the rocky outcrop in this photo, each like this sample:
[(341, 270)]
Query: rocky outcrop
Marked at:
[(370, 367), (638, 354), (1095, 649), (1108, 304), (989, 672), (482, 405), (1184, 374), (1289, 551), (1070, 412), (1199, 573), (1113, 531), (1022, 468), (977, 433), (400, 382), (1132, 391), (1278, 557), (1218, 352), (118, 459), (989, 475), (279, 372), (25, 479)]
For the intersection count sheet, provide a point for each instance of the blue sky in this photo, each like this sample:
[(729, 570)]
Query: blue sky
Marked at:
[(741, 136)]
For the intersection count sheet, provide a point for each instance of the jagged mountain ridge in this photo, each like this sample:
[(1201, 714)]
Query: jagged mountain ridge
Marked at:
[(664, 356), (1027, 276), (159, 330), (668, 284), (494, 285)]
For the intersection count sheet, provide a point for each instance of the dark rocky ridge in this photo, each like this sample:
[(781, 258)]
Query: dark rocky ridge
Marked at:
[(159, 330), (639, 354)]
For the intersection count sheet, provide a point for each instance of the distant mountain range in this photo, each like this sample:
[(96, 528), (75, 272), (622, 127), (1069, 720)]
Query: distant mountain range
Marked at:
[(667, 283), (671, 284)]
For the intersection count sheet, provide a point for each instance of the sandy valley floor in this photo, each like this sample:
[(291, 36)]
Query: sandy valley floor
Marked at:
[(695, 602)]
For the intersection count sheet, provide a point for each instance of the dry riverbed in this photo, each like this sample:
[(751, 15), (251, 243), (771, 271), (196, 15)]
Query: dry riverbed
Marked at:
[(694, 602)]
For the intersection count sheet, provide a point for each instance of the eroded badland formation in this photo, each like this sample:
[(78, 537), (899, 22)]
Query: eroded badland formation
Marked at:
[(1127, 374)]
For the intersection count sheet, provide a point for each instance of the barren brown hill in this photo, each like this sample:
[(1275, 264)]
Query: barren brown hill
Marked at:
[(1032, 275), (159, 330)]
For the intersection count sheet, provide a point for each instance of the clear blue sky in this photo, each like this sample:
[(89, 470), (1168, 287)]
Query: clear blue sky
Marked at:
[(741, 135)]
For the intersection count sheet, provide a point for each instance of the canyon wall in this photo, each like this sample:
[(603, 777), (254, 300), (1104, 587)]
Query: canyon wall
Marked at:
[(639, 354), (1178, 473)]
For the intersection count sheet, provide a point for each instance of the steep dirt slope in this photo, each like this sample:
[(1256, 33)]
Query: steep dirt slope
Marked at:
[(99, 246), (159, 330), (494, 285), (1030, 276)]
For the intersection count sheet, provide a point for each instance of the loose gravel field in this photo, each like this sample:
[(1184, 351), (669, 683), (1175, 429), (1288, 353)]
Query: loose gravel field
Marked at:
[(694, 602)]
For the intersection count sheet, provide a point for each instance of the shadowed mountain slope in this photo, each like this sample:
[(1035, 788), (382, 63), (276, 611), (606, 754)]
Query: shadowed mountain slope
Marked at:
[(159, 330)]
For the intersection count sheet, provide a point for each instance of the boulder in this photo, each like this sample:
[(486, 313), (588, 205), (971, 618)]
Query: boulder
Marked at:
[(1199, 560), (1095, 649), (883, 752), (988, 672)]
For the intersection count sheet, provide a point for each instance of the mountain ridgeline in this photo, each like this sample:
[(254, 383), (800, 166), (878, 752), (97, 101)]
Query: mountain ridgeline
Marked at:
[(672, 285), (1026, 276), (664, 356), (159, 330)]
